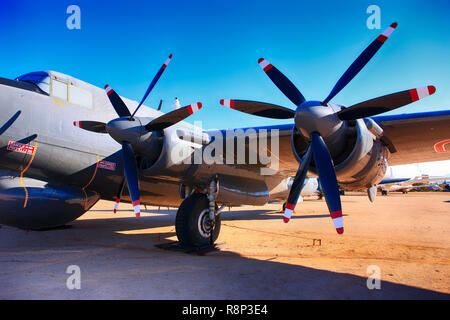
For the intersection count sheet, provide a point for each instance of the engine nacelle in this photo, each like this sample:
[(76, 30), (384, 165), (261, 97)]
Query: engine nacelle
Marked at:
[(362, 161), (173, 150), (36, 204)]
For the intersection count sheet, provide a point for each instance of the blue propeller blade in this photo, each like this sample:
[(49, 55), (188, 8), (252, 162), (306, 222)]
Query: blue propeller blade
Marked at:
[(360, 62), (327, 178), (386, 103), (152, 84), (260, 109), (283, 83), (297, 185), (131, 174), (9, 123), (117, 102)]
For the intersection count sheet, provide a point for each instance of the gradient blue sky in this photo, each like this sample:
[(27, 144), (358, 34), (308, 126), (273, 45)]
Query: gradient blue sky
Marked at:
[(216, 45)]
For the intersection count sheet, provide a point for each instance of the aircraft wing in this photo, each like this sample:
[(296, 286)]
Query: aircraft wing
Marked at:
[(418, 137), (287, 163)]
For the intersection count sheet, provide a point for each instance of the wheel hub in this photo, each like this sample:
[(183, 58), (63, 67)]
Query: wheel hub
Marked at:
[(205, 225)]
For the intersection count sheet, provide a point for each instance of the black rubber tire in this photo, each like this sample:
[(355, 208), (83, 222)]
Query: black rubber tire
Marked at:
[(186, 222)]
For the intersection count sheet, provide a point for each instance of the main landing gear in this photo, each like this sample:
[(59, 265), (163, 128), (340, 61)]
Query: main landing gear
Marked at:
[(197, 222)]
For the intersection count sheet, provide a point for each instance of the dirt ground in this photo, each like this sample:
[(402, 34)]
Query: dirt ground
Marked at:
[(405, 237)]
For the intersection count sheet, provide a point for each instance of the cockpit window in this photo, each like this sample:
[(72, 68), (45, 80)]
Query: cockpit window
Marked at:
[(59, 89), (40, 79)]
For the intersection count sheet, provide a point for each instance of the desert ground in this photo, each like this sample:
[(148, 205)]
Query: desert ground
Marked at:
[(405, 237)]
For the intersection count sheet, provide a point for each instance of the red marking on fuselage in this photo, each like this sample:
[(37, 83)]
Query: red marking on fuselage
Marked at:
[(20, 147), (111, 166), (440, 146)]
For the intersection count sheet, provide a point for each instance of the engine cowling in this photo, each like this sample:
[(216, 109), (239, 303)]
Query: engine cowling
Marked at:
[(360, 162), (170, 152)]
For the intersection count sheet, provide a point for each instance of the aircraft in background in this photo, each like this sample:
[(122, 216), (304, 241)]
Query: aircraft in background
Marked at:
[(404, 185), (310, 188), (65, 144)]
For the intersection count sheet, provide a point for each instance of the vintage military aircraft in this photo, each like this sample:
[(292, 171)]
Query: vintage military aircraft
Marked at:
[(392, 183), (65, 144)]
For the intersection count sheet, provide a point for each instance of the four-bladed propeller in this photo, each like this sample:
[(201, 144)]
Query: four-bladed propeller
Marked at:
[(316, 120), (127, 129)]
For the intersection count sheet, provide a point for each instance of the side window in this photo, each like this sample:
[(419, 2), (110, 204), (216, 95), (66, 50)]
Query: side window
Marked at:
[(59, 89), (80, 96)]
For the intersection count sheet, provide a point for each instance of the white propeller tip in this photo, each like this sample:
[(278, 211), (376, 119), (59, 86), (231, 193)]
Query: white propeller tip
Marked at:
[(137, 208), (288, 212)]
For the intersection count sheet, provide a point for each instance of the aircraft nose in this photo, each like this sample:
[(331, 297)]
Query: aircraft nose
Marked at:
[(123, 129)]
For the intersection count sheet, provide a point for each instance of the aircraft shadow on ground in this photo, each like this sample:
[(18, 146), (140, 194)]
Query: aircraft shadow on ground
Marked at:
[(234, 215), (247, 278)]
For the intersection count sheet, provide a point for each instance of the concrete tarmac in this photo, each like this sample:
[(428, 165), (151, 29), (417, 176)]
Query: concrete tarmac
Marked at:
[(404, 240)]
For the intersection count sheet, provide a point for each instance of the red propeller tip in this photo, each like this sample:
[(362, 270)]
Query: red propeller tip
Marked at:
[(137, 208), (106, 86), (260, 59), (394, 25), (115, 211), (286, 220), (227, 103), (170, 57), (108, 89), (192, 108), (340, 230), (431, 89)]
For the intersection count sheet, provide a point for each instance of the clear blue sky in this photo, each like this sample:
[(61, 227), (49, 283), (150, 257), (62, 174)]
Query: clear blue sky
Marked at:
[(216, 45)]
